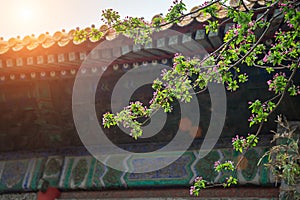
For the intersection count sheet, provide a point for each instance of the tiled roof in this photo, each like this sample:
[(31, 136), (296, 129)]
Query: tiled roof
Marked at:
[(62, 38)]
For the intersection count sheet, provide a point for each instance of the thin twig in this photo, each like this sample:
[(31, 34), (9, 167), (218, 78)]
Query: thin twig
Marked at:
[(151, 115), (200, 91), (265, 67)]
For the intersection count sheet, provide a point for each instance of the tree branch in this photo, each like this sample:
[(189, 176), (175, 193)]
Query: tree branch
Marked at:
[(277, 104)]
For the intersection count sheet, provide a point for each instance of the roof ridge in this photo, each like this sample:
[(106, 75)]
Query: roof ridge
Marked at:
[(62, 38)]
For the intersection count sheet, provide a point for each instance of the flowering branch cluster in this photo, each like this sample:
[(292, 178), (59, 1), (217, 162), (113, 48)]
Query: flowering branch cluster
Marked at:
[(129, 118), (240, 143), (200, 183), (260, 111), (243, 46), (279, 82), (228, 165), (176, 11), (175, 83)]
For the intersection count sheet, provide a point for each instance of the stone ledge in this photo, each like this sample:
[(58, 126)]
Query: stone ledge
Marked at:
[(242, 193)]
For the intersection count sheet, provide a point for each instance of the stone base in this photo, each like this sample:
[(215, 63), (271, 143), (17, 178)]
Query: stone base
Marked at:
[(241, 193), (21, 196)]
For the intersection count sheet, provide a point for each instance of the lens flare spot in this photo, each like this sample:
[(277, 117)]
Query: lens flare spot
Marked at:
[(25, 13)]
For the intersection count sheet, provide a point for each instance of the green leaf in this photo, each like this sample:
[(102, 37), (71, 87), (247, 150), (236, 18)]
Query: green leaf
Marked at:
[(270, 70)]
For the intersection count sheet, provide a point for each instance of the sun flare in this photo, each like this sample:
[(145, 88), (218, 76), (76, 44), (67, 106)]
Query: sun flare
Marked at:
[(25, 14)]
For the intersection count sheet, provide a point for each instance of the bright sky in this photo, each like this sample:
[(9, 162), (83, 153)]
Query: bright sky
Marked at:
[(26, 17)]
